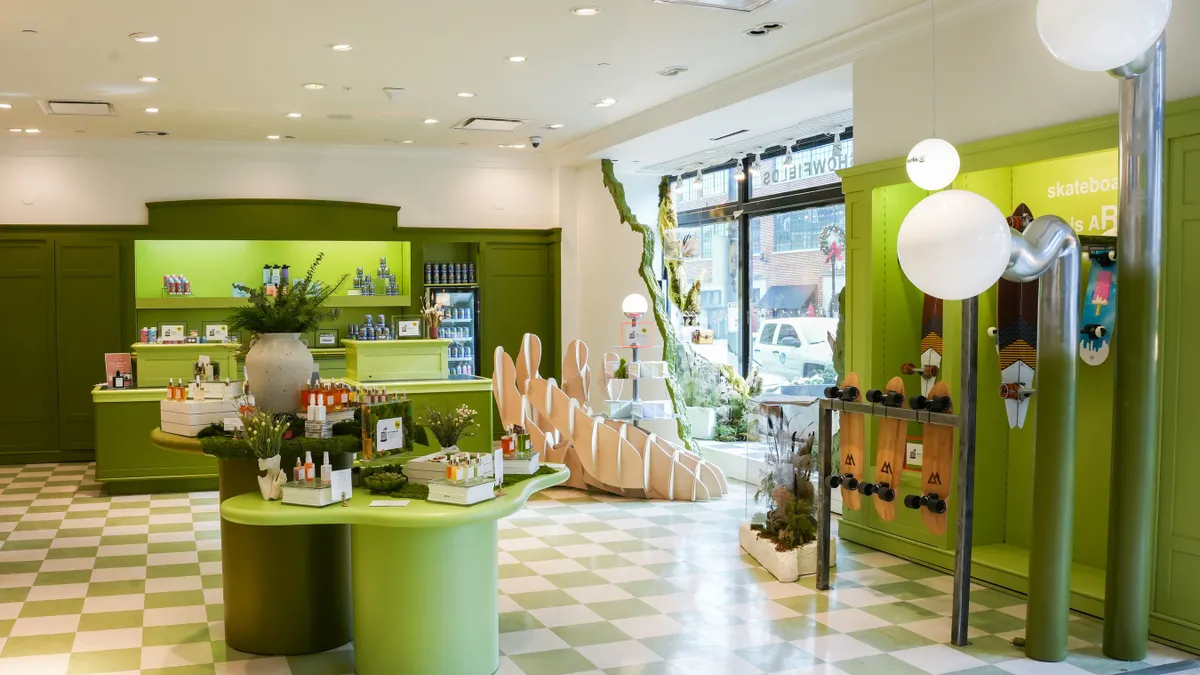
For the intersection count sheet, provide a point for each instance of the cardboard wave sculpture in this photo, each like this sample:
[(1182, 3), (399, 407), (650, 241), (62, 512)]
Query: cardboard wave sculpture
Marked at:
[(604, 454)]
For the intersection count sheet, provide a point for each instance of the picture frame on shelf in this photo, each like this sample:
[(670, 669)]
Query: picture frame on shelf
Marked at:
[(215, 331), (172, 332), (326, 338), (408, 326)]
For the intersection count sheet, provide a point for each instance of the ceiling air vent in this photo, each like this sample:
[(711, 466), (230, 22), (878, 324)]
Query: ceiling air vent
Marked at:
[(86, 108), (736, 5), (729, 135), (490, 124)]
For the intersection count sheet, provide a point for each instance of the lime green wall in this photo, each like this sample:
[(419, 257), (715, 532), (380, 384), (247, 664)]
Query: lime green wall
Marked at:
[(213, 266)]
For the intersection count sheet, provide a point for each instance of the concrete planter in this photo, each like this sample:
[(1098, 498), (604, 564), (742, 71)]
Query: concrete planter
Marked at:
[(787, 566), (278, 366), (703, 421)]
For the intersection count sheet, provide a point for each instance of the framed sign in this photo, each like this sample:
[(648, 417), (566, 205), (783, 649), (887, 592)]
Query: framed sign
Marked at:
[(407, 326), (216, 332), (639, 334), (327, 337), (172, 331)]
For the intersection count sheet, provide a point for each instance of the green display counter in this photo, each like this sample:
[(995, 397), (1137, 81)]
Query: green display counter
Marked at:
[(425, 576), (128, 461), (157, 364), (375, 361)]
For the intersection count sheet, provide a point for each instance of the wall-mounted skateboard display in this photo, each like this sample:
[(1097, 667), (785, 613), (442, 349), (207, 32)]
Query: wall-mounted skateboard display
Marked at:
[(853, 430), (1016, 335), (889, 450), (936, 465), (1099, 308), (931, 345)]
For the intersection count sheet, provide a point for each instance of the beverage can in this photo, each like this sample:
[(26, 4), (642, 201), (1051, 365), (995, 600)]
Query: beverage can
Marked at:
[(428, 274), (471, 273)]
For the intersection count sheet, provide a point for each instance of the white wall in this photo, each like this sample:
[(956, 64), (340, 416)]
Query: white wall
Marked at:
[(47, 181), (994, 78)]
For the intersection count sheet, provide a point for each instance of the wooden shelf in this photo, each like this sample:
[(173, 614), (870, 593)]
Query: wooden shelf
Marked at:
[(197, 302)]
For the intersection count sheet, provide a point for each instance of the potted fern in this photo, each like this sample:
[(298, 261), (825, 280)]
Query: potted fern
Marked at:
[(278, 363)]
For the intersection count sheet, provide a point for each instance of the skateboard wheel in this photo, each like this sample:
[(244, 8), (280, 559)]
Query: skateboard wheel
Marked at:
[(835, 482), (851, 482), (939, 404), (893, 399), (867, 489), (936, 505), (887, 494), (932, 371), (1112, 256), (1094, 331), (907, 369), (993, 332), (1009, 391), (918, 402), (874, 396), (833, 392), (912, 501), (850, 394)]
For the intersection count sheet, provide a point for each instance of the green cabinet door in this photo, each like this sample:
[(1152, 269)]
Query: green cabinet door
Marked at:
[(88, 302), (1177, 585), (28, 348)]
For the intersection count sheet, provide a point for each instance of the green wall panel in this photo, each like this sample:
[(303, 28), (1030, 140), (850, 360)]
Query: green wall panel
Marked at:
[(27, 288)]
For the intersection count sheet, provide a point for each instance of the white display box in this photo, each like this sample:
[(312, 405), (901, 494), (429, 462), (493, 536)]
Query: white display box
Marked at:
[(618, 408), (429, 468), (305, 494), (219, 390), (647, 370), (188, 418), (523, 467), (462, 494), (652, 409)]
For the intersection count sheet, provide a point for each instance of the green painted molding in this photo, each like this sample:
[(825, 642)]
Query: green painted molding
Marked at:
[(193, 203), (646, 271), (100, 394), (428, 386)]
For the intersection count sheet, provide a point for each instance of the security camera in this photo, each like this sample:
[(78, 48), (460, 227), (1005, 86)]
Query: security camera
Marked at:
[(535, 141)]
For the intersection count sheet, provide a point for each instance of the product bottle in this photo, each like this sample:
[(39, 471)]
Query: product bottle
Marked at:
[(449, 471), (275, 275), (285, 275), (171, 389), (344, 396), (312, 407), (326, 470), (309, 470), (118, 381), (298, 472)]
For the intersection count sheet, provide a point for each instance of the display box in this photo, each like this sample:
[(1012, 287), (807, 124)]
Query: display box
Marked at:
[(652, 410), (157, 364), (617, 409), (647, 370), (425, 470), (462, 494), (522, 465), (314, 494), (189, 418), (384, 360)]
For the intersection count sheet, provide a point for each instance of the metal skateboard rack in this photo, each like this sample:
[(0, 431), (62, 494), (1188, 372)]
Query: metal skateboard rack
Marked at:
[(964, 421)]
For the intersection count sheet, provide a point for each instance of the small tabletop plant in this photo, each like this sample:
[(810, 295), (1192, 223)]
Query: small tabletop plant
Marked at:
[(450, 426), (431, 312), (293, 309), (264, 432)]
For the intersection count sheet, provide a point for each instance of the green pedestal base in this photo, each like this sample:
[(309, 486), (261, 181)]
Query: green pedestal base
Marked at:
[(286, 589), (426, 600)]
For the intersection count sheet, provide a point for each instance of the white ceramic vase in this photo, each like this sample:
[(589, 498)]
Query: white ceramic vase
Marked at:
[(271, 485), (277, 367)]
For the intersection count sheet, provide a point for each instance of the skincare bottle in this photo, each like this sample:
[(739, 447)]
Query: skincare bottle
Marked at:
[(330, 397), (285, 275), (298, 472), (344, 392), (309, 470), (326, 470), (266, 275), (449, 471), (312, 408), (171, 389), (118, 381), (275, 273)]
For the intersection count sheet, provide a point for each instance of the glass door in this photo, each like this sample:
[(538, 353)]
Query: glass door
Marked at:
[(460, 325)]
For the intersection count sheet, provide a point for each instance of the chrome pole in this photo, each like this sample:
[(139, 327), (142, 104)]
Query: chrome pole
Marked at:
[(1049, 249), (1135, 447), (967, 397)]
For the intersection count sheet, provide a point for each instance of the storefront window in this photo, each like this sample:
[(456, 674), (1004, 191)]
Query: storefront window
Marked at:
[(718, 187), (808, 168)]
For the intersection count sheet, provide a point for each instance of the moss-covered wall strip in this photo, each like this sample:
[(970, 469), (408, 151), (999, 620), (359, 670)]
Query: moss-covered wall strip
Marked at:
[(646, 270)]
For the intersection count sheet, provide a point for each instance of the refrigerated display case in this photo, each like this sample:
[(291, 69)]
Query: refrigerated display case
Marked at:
[(460, 324)]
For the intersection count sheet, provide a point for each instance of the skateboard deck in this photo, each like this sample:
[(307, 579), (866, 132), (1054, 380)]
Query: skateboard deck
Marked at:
[(853, 428), (1099, 309), (1016, 335), (936, 465), (931, 345), (889, 453)]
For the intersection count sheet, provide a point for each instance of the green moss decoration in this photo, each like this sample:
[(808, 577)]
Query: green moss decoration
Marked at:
[(226, 447), (666, 220), (518, 478), (384, 482)]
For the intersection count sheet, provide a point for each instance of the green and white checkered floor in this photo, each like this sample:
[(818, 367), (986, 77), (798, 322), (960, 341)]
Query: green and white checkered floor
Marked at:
[(591, 584)]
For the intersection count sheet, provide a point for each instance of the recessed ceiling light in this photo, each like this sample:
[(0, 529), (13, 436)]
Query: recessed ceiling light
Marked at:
[(554, 126), (465, 94), (313, 85), (148, 79), (151, 133), (5, 106), (15, 131), (672, 71), (151, 110), (341, 48), (514, 146), (144, 37), (431, 121), (294, 115), (604, 102), (33, 131), (515, 59), (406, 142), (272, 137), (585, 11)]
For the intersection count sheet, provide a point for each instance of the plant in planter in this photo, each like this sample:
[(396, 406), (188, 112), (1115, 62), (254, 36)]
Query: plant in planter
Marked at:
[(278, 364), (450, 426), (263, 432), (699, 380), (735, 394), (691, 305), (431, 312), (614, 383)]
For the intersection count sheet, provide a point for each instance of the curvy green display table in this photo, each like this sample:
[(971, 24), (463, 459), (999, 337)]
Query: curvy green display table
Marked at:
[(262, 570), (426, 578)]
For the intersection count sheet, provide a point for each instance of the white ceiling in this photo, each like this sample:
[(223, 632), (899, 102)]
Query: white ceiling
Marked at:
[(230, 71)]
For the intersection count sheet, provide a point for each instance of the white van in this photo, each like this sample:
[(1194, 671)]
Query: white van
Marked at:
[(794, 347)]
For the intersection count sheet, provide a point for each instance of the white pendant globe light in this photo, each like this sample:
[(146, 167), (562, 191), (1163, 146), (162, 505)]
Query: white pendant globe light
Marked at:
[(932, 164), (634, 305), (954, 245), (1100, 35)]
